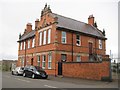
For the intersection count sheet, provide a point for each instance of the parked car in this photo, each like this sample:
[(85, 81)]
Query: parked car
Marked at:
[(18, 71), (34, 72)]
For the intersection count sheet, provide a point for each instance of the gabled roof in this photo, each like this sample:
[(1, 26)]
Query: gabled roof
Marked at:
[(28, 35), (78, 26)]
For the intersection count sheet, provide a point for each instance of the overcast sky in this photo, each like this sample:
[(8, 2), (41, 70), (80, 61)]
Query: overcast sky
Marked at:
[(14, 15)]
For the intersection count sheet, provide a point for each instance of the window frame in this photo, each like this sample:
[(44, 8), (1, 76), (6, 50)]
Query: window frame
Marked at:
[(44, 37), (28, 43), (49, 61), (77, 58), (38, 60), (33, 42), (100, 43), (64, 37), (43, 61), (78, 40), (21, 45), (49, 36), (40, 38), (64, 60)]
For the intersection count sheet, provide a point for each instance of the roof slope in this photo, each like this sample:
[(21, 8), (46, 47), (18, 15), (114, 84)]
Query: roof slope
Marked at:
[(28, 35), (71, 24)]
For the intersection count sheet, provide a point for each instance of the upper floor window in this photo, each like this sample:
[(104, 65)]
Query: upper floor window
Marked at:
[(78, 58), (24, 44), (100, 44), (33, 42), (20, 45), (44, 39), (49, 36), (63, 37), (78, 40), (40, 38), (28, 43)]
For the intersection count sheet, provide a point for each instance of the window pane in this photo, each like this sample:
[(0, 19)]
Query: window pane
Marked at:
[(49, 61), (40, 38), (49, 35), (33, 42), (78, 59), (100, 44), (63, 37), (63, 57), (38, 59), (28, 43), (24, 44), (44, 40), (77, 39), (43, 61)]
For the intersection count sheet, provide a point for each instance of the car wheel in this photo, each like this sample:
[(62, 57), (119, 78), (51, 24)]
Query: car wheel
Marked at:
[(24, 75), (33, 76), (17, 73), (12, 73)]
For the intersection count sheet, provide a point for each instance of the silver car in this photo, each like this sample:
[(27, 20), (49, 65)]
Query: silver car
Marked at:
[(18, 71)]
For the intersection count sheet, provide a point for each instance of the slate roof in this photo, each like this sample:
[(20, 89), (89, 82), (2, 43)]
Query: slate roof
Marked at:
[(74, 25), (28, 35)]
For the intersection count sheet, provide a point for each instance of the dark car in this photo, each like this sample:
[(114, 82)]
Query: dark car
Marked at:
[(34, 72)]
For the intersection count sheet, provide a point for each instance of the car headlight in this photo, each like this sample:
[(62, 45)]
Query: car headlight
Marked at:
[(37, 72)]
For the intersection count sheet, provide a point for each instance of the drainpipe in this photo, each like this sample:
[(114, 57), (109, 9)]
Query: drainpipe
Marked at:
[(25, 55), (72, 46), (110, 71)]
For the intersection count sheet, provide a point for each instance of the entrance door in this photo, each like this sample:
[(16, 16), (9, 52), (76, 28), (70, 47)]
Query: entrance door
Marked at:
[(32, 61), (59, 68)]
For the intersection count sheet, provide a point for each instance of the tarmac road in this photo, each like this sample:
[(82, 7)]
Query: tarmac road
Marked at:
[(12, 81)]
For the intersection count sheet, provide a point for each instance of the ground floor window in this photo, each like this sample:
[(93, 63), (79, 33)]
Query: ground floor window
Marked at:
[(49, 61), (38, 60), (78, 58), (43, 61), (63, 57)]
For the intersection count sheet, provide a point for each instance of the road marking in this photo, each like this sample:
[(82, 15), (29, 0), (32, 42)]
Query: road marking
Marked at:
[(22, 80), (50, 86)]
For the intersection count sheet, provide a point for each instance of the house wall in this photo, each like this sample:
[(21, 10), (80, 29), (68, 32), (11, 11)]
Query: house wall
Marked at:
[(94, 71)]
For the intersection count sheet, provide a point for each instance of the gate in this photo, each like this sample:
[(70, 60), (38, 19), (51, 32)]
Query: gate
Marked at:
[(59, 68)]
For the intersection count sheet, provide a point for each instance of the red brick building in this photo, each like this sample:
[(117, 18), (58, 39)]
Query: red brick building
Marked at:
[(56, 38)]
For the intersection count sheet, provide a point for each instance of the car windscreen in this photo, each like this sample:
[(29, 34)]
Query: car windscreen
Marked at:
[(39, 68)]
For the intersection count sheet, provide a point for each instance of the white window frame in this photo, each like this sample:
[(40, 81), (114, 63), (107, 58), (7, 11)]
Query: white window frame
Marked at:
[(44, 38), (22, 61), (28, 43), (40, 38), (33, 42), (38, 60), (43, 61), (24, 45), (78, 58), (100, 44), (20, 45), (49, 61), (63, 37), (78, 40), (49, 36)]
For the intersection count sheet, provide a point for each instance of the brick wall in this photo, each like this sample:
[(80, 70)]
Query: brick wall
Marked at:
[(87, 70)]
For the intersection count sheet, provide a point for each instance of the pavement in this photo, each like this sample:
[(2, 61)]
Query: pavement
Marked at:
[(12, 81)]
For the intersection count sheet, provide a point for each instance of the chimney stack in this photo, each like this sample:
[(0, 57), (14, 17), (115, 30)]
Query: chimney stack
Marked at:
[(91, 20), (36, 23), (28, 28)]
